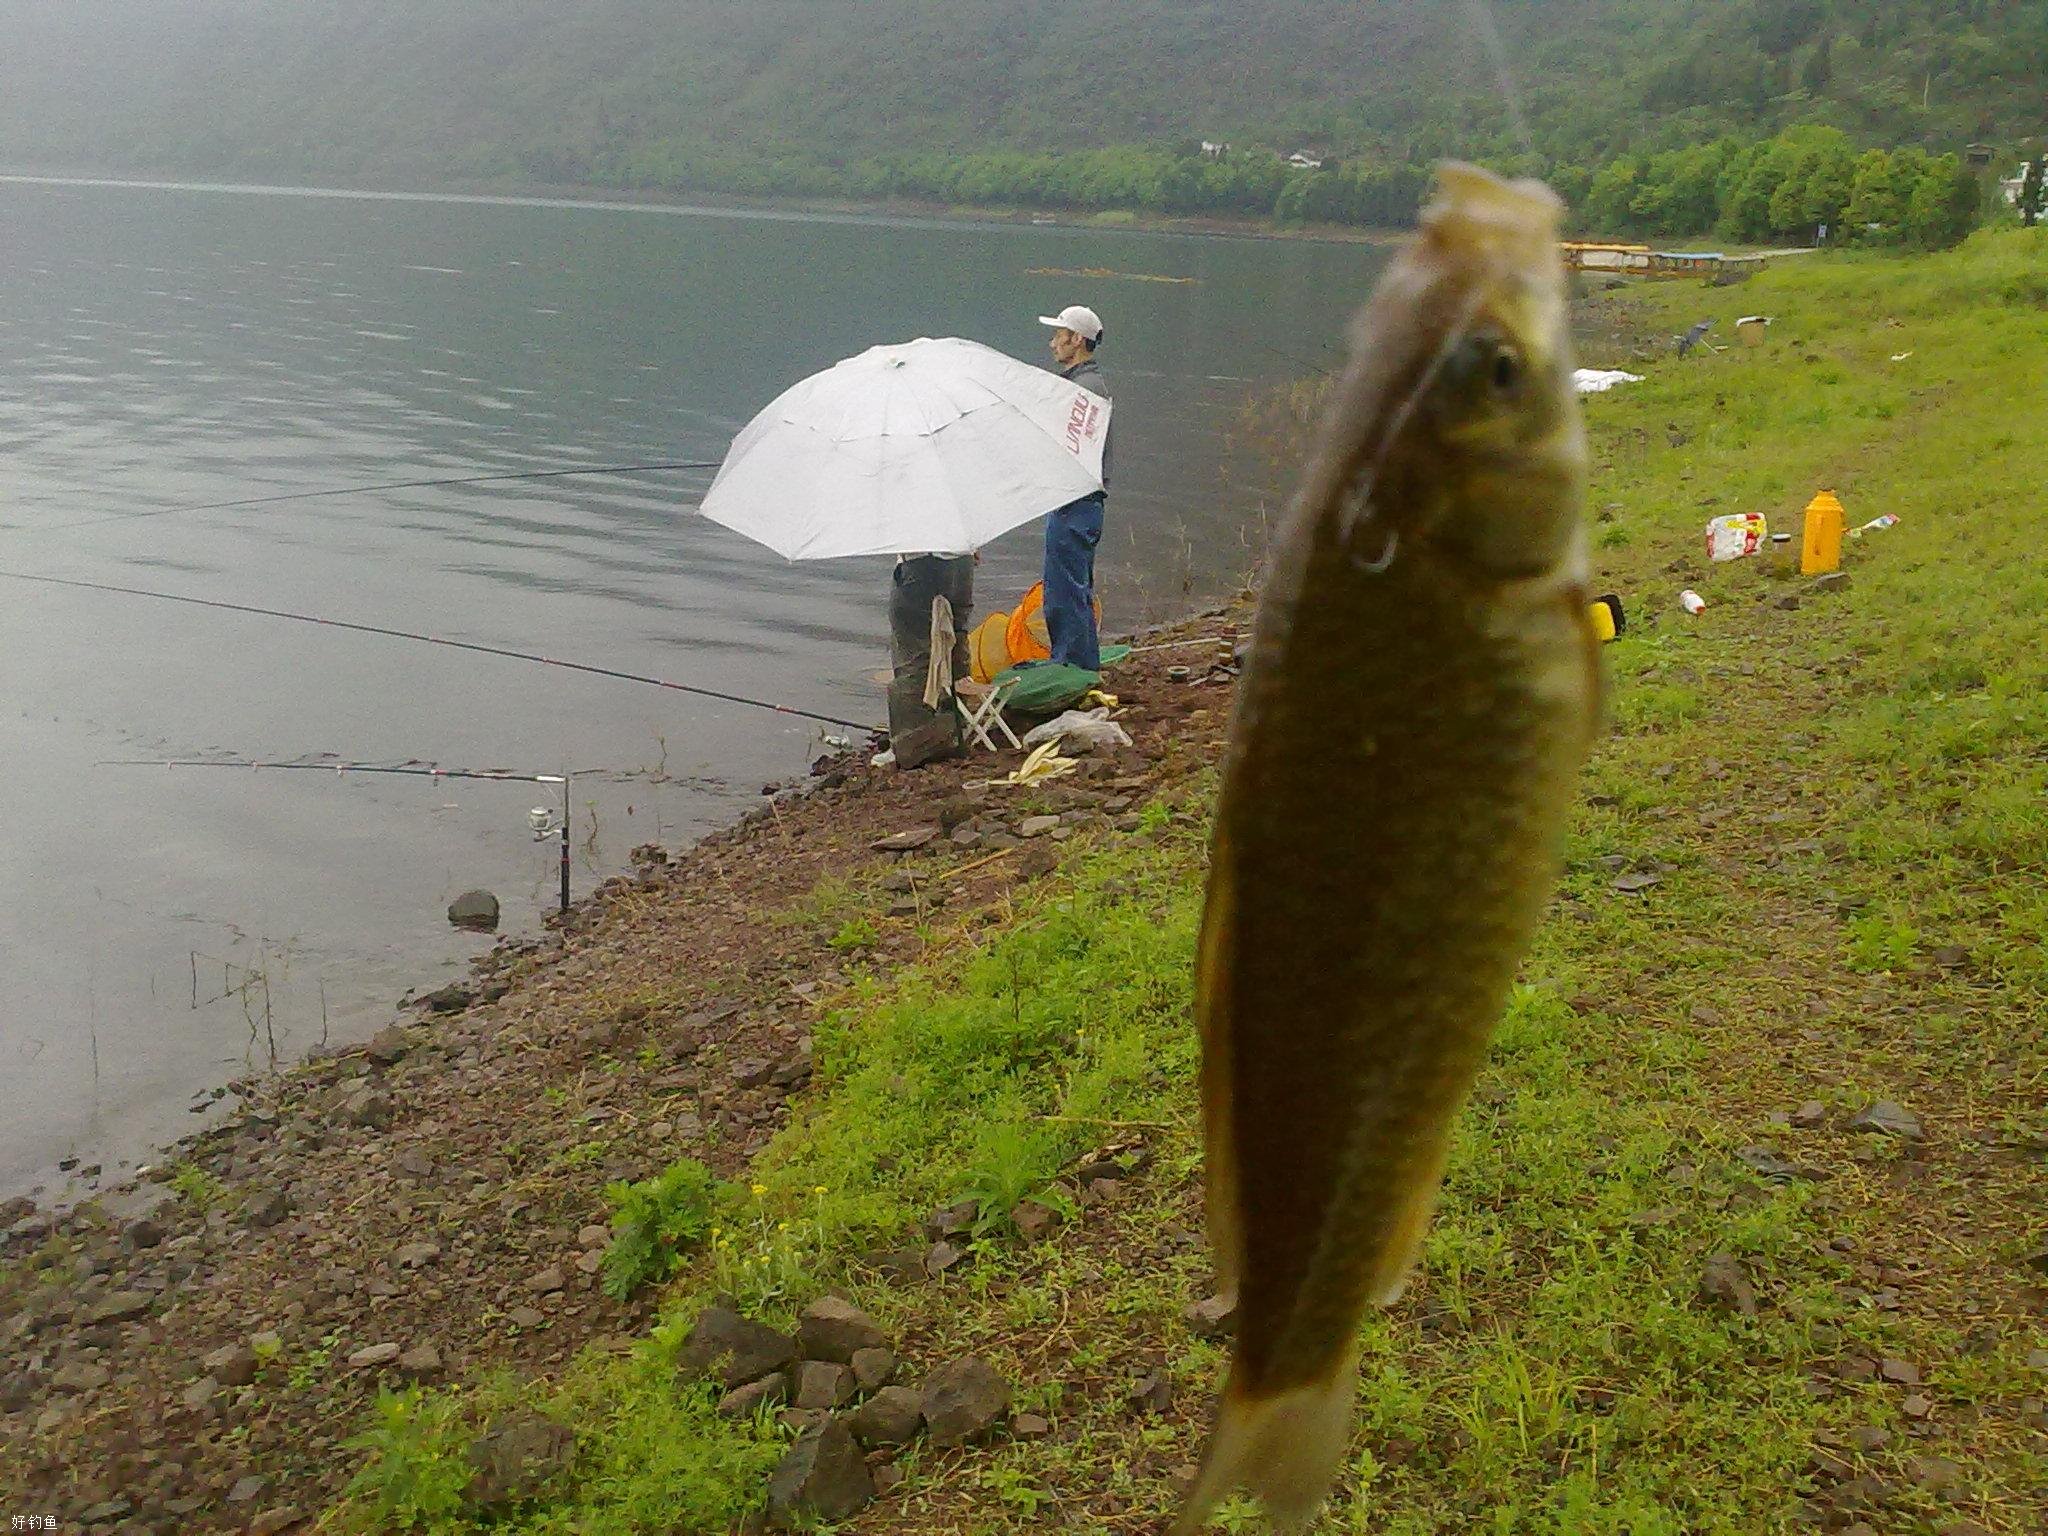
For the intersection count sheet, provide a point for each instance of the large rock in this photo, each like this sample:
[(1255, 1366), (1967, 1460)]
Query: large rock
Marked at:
[(452, 998), (905, 842), (514, 1458), (1033, 1219), (266, 1208), (891, 1417), (822, 1478), (80, 1376), (953, 1220), (388, 1045), (832, 1329), (1212, 1318), (872, 1368), (420, 1363), (1722, 1284), (232, 1365), (823, 1384), (731, 1350), (963, 1401), (474, 910), (369, 1108), (1886, 1118), (744, 1402), (118, 1307)]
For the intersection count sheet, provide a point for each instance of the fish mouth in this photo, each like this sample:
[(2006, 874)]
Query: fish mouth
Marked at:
[(1478, 211)]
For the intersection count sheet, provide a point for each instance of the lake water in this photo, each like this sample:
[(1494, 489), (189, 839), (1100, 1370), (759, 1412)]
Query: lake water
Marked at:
[(164, 929)]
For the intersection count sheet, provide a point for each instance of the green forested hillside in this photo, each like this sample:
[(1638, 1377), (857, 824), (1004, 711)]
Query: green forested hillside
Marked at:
[(838, 96)]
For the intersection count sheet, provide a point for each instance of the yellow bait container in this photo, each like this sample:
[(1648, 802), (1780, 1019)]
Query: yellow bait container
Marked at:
[(1607, 617), (1821, 548)]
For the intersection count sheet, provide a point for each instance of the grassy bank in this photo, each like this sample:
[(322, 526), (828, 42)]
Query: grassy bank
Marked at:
[(1672, 1288)]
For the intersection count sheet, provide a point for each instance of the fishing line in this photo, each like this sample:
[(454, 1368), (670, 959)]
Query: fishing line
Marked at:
[(358, 490), (339, 770), (458, 645), (540, 821), (1481, 12), (418, 769), (1295, 361)]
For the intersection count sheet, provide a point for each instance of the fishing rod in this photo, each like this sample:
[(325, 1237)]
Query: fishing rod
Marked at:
[(540, 819), (358, 490), (339, 770), (441, 640)]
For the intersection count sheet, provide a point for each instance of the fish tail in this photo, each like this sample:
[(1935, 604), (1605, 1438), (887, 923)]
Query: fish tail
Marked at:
[(1284, 1448)]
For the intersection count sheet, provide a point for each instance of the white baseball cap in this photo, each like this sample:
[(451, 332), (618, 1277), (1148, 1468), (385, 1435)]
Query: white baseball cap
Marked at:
[(1079, 319)]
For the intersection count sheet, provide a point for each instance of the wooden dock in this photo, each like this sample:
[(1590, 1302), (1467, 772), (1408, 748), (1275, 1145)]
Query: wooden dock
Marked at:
[(1625, 260)]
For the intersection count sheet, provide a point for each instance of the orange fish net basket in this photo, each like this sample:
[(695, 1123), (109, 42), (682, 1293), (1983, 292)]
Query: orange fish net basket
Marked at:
[(988, 646), (1026, 634)]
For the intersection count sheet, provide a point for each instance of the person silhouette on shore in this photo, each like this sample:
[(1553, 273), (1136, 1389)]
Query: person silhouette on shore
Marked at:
[(1073, 531)]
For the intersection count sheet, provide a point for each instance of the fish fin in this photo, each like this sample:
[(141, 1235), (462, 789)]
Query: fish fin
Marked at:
[(1212, 1015), (1405, 1234), (1284, 1448)]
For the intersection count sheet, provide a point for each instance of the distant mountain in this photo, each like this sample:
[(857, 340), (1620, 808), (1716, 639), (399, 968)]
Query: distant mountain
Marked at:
[(708, 93)]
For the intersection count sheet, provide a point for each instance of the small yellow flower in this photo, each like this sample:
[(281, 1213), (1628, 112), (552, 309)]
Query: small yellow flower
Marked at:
[(782, 1226), (760, 1189), (818, 1189)]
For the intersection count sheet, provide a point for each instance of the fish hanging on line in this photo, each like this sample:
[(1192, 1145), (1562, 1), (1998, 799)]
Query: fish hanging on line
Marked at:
[(1422, 689)]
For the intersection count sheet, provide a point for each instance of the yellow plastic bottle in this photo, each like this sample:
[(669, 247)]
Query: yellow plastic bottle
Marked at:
[(1821, 547)]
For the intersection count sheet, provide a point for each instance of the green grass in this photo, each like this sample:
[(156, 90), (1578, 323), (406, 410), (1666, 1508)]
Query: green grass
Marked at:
[(416, 1463), (653, 1221), (1844, 803), (194, 1185)]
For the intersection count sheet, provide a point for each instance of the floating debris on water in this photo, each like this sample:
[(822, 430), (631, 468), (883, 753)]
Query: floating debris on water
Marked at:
[(1133, 277)]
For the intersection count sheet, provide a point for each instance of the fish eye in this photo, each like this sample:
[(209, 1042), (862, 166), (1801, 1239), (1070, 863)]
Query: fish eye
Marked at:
[(1485, 371), (1506, 376)]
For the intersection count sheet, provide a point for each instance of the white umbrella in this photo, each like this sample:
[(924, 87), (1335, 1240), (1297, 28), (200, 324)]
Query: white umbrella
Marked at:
[(930, 446)]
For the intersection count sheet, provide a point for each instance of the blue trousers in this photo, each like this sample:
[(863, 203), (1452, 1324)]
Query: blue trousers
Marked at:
[(1071, 535)]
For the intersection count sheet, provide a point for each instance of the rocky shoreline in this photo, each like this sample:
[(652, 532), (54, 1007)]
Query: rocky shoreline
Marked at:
[(194, 1350)]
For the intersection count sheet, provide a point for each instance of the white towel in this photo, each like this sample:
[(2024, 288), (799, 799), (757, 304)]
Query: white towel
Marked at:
[(938, 677)]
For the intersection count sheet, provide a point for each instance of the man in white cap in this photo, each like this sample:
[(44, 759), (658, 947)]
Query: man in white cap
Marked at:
[(1072, 532)]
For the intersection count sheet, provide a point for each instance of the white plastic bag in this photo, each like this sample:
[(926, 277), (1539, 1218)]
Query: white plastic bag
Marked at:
[(1080, 732), (1736, 536), (1597, 381)]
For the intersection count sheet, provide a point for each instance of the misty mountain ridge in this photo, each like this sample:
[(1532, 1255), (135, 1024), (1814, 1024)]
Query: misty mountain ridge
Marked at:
[(786, 95)]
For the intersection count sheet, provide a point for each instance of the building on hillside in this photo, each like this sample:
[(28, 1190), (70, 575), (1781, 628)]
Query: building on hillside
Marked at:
[(1305, 162), (1214, 151)]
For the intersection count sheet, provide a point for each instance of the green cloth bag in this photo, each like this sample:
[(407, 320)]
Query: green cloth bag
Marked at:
[(1044, 687)]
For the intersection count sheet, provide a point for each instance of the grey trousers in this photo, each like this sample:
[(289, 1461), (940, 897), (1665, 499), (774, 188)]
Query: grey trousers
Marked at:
[(918, 734)]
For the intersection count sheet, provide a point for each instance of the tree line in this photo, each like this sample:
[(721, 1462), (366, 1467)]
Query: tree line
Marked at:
[(1172, 180), (1785, 188), (1789, 187)]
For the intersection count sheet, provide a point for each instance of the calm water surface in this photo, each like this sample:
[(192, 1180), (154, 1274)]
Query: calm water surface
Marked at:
[(162, 930)]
